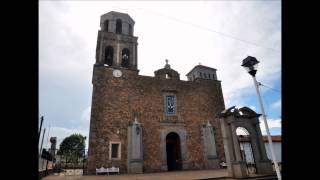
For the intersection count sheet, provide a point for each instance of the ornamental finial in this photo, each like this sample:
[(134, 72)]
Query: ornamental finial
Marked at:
[(167, 66)]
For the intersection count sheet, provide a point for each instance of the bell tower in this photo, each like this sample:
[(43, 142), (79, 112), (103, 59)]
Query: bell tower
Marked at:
[(116, 45)]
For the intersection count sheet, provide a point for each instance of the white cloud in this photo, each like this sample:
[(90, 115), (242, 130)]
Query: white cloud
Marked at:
[(61, 133), (242, 131), (68, 36), (276, 104), (272, 123), (85, 118), (68, 39), (253, 108)]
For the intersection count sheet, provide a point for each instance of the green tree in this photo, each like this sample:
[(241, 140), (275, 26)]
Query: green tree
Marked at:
[(72, 148)]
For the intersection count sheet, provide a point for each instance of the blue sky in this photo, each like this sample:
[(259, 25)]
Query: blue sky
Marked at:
[(219, 34)]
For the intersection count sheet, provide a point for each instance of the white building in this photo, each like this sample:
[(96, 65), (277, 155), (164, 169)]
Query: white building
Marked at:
[(246, 149)]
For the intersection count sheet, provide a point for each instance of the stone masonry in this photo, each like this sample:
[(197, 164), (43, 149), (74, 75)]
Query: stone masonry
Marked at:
[(116, 99)]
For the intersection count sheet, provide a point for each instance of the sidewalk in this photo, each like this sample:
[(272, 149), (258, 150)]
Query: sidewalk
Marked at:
[(217, 174), (176, 175)]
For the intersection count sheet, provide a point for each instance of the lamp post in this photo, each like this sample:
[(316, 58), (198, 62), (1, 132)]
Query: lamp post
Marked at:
[(250, 64)]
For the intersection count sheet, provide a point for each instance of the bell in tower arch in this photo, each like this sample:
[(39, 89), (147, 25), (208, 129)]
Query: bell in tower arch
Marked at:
[(125, 58)]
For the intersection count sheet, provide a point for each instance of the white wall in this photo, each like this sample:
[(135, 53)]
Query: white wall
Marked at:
[(276, 147)]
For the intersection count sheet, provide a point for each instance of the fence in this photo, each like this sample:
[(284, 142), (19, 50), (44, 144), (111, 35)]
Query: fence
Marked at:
[(72, 162)]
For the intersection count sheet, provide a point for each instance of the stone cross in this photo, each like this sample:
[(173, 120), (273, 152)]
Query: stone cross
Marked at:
[(167, 65)]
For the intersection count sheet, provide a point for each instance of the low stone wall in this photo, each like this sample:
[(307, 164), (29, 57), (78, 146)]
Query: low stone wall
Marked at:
[(44, 173)]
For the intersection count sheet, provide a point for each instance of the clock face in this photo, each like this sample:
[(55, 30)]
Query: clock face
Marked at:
[(117, 73)]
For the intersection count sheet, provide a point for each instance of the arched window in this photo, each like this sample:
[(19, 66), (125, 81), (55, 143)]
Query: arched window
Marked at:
[(119, 26), (125, 57), (106, 25), (130, 29), (108, 58)]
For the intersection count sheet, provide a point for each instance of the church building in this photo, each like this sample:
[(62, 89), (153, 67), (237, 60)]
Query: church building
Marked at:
[(150, 123)]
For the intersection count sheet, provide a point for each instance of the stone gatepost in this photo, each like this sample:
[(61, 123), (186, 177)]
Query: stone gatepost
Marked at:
[(210, 151), (231, 119), (135, 148), (53, 141)]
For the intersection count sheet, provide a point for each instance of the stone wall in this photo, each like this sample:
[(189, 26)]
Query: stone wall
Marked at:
[(115, 100)]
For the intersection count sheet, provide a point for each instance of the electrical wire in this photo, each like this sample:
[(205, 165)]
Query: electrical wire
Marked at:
[(260, 84), (205, 28)]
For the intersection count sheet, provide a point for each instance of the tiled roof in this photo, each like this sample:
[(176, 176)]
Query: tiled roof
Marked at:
[(245, 138)]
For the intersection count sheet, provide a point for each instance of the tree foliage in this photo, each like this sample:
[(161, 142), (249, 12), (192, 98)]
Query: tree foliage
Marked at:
[(72, 147)]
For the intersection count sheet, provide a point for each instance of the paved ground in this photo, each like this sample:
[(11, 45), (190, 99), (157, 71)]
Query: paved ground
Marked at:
[(176, 175)]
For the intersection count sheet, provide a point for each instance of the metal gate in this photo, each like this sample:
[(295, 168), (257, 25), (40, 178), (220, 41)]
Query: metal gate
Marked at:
[(71, 163), (247, 156)]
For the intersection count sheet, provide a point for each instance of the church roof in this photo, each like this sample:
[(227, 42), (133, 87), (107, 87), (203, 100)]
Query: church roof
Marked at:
[(116, 15), (200, 67)]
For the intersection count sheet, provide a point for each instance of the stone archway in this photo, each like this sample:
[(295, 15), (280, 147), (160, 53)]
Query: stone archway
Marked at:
[(173, 149), (179, 132), (233, 118), (247, 155)]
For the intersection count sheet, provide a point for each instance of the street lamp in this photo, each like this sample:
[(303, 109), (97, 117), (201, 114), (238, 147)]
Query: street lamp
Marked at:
[(251, 64)]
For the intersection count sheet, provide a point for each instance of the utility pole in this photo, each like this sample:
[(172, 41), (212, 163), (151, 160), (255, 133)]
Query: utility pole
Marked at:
[(267, 129), (44, 131), (251, 64), (40, 129)]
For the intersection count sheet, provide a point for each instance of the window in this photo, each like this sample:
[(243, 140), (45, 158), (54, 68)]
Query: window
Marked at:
[(205, 75), (119, 26), (213, 76), (209, 76), (106, 25), (200, 74), (115, 151), (108, 57), (130, 29), (170, 105)]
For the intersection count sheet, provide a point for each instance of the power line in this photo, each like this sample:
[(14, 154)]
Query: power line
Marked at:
[(205, 28), (260, 84)]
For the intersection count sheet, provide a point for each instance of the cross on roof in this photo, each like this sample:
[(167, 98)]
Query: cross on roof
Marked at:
[(167, 65)]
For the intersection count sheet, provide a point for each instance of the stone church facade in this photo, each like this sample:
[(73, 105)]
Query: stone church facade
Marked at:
[(150, 124)]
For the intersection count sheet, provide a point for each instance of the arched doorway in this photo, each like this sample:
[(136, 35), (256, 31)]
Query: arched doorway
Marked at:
[(244, 139), (173, 151)]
